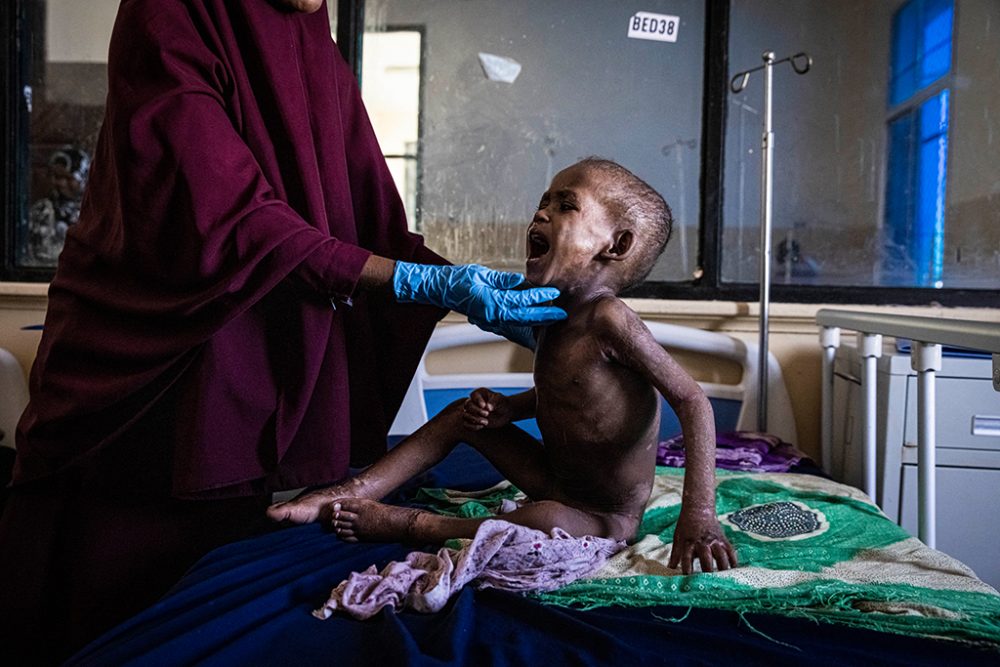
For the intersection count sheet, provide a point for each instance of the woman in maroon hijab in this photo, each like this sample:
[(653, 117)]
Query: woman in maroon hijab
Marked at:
[(226, 317)]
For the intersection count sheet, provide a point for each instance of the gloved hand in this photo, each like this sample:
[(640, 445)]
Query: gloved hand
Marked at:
[(516, 333), (484, 295)]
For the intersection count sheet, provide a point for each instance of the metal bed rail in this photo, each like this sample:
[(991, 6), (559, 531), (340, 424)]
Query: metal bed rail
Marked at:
[(928, 335)]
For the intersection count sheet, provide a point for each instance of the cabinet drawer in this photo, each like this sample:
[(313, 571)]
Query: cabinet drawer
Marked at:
[(967, 501), (967, 416)]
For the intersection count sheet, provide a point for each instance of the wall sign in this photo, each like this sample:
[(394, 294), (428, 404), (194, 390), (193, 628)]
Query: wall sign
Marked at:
[(658, 27)]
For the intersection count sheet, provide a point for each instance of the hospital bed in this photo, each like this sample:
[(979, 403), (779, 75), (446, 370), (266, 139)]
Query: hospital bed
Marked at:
[(828, 579)]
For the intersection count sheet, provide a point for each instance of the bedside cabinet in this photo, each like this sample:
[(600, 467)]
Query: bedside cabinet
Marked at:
[(968, 449)]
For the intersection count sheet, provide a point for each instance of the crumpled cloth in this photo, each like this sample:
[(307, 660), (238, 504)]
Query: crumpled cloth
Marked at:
[(745, 451), (502, 555)]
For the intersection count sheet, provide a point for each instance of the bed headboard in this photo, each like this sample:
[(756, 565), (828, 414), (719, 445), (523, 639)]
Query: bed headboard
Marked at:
[(735, 404)]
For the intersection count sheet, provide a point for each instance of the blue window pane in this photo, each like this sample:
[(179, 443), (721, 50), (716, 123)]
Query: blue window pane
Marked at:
[(915, 195), (905, 34), (935, 64), (936, 56), (900, 199), (918, 145), (921, 46), (934, 117), (932, 174)]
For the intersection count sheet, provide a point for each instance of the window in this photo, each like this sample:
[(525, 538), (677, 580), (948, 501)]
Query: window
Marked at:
[(54, 106), (390, 87), (882, 188), (915, 195), (917, 176), (512, 92), (886, 189)]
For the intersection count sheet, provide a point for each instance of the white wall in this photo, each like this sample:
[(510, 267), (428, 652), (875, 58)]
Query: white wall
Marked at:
[(79, 30)]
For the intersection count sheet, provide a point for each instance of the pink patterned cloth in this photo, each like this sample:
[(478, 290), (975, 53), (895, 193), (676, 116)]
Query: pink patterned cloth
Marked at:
[(502, 555)]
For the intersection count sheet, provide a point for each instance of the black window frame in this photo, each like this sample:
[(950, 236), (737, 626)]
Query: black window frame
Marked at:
[(16, 28)]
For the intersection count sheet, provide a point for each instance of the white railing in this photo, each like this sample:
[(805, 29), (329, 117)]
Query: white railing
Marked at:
[(413, 413), (928, 335)]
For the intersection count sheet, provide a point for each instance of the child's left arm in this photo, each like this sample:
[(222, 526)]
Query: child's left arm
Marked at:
[(698, 534)]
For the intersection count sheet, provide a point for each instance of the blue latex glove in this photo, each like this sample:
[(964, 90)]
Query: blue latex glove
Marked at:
[(484, 295), (515, 333)]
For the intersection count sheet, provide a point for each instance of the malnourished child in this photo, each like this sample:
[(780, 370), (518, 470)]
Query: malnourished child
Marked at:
[(598, 374)]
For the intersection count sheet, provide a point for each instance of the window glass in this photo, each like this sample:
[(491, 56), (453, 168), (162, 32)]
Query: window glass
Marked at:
[(905, 35), (391, 76), (65, 50), (915, 195), (916, 183), (65, 102), (936, 33), (884, 173), (512, 92), (885, 169)]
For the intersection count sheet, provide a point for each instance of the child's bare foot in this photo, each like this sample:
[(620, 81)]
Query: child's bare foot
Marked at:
[(361, 519), (317, 505)]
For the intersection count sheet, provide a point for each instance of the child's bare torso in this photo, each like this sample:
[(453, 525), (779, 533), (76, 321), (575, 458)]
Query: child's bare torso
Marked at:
[(599, 420)]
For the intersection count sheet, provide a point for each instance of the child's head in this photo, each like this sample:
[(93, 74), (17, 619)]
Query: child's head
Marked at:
[(633, 203), (597, 216)]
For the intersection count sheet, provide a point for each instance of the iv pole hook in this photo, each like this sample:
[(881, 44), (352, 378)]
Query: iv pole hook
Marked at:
[(800, 62)]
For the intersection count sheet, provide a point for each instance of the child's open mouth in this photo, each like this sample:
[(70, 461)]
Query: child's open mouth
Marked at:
[(538, 245)]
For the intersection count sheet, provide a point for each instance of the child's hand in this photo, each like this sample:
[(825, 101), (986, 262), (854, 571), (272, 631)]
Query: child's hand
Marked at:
[(485, 409), (699, 535)]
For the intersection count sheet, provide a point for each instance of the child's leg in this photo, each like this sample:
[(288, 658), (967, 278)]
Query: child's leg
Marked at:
[(519, 457), (417, 453), (360, 519)]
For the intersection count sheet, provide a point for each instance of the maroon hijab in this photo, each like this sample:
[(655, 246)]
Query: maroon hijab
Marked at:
[(236, 192)]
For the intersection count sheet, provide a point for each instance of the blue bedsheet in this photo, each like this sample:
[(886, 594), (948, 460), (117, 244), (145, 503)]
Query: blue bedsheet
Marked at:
[(249, 603)]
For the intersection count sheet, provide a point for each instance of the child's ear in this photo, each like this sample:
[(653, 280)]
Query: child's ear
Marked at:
[(621, 245)]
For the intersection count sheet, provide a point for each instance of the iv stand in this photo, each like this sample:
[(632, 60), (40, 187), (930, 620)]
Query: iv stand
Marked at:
[(801, 63)]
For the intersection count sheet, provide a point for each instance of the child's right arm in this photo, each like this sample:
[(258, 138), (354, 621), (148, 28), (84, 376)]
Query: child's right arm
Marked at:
[(488, 409)]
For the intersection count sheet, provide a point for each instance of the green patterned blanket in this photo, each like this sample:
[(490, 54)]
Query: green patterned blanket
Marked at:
[(808, 547)]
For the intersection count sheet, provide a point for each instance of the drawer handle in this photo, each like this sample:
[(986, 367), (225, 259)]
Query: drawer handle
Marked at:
[(986, 425)]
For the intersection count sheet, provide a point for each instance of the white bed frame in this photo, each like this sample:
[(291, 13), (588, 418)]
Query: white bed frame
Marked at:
[(413, 412), (928, 335)]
